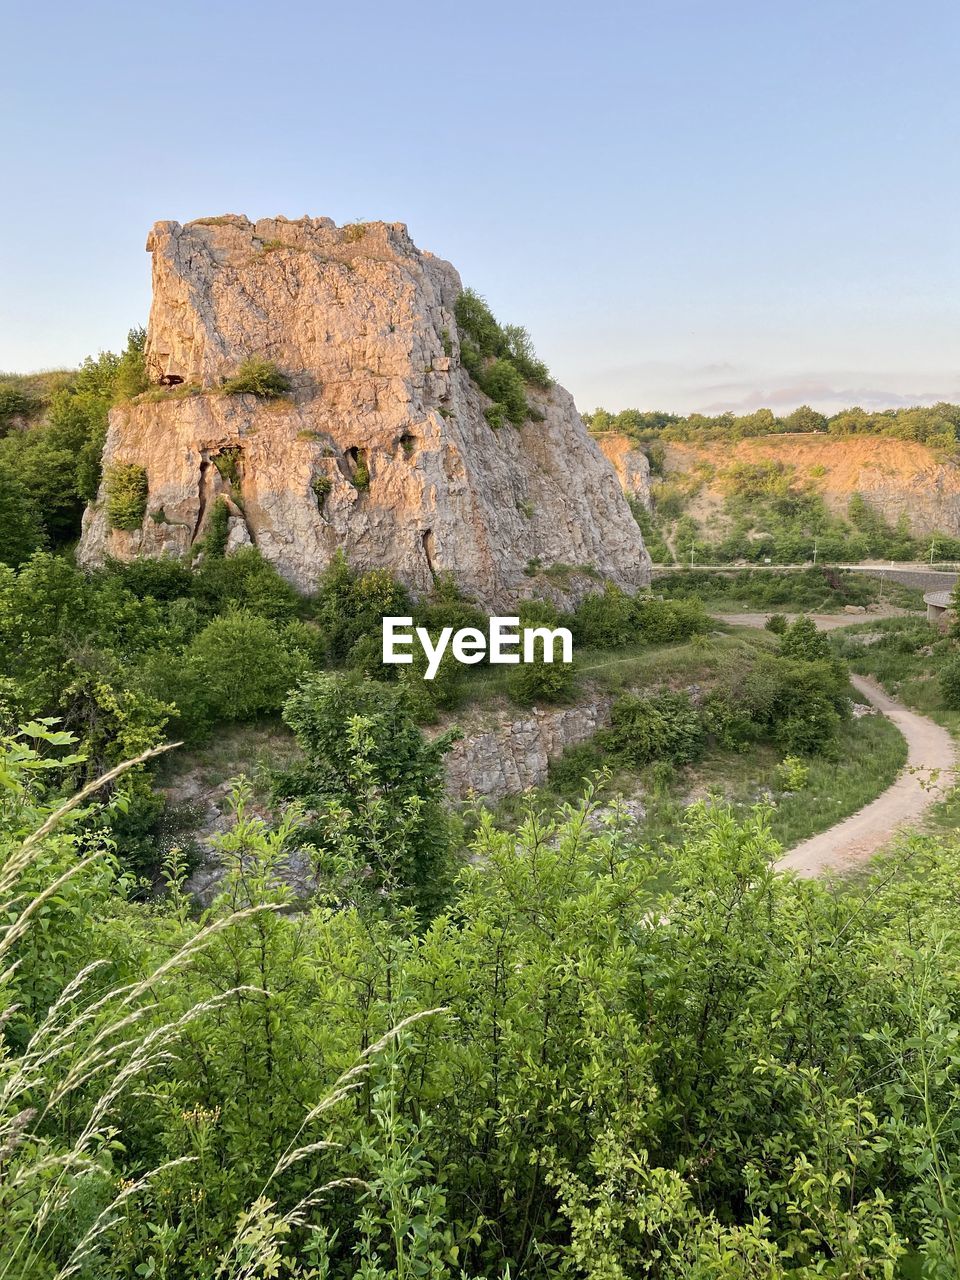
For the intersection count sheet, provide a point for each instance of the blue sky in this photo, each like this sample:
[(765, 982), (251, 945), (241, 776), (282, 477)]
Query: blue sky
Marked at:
[(691, 204)]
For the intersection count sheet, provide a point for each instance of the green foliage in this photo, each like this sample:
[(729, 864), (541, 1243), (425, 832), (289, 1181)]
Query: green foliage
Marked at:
[(737, 1074), (792, 773), (376, 787), (126, 489), (949, 680), (663, 726), (776, 623), (504, 384), (243, 666), (801, 639), (21, 529), (257, 377), (501, 360), (214, 541), (611, 618), (348, 607), (604, 619), (530, 683), (935, 425)]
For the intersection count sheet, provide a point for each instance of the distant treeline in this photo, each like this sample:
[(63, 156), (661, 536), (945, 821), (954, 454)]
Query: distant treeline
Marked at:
[(935, 425)]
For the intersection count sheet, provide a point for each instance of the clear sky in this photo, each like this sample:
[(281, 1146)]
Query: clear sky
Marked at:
[(691, 204)]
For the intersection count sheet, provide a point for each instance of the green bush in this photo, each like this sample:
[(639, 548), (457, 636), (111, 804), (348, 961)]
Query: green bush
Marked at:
[(662, 726), (666, 621), (569, 774), (126, 488), (776, 623), (801, 639), (244, 666), (539, 681), (246, 581), (503, 383), (604, 619), (501, 360), (257, 377), (949, 681), (214, 541), (376, 787)]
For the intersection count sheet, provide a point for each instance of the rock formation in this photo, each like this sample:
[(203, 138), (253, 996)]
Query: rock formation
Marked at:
[(630, 463), (381, 447)]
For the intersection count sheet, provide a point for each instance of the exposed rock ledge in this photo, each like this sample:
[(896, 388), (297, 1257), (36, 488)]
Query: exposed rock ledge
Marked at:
[(507, 754)]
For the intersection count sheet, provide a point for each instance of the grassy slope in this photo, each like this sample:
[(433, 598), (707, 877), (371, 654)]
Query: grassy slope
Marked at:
[(871, 751)]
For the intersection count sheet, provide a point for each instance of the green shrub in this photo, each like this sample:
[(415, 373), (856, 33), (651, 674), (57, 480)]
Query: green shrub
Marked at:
[(244, 580), (214, 541), (126, 489), (361, 473), (501, 360), (801, 639), (662, 726), (244, 666), (539, 681), (776, 623), (568, 774), (949, 680), (666, 621), (604, 619), (503, 383), (322, 487), (792, 774), (257, 377)]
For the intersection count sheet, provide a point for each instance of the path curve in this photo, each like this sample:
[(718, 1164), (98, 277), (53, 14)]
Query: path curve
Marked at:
[(924, 779)]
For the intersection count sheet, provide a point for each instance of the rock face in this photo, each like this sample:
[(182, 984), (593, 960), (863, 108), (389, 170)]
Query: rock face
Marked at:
[(382, 447), (630, 463), (510, 754)]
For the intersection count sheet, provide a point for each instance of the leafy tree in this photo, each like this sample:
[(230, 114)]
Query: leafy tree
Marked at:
[(801, 639), (21, 529), (376, 787), (243, 665)]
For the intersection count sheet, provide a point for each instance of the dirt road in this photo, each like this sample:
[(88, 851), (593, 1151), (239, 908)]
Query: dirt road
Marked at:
[(927, 775), (824, 621)]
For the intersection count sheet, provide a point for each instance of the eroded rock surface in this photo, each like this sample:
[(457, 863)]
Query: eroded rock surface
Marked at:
[(382, 448), (508, 753), (630, 463)]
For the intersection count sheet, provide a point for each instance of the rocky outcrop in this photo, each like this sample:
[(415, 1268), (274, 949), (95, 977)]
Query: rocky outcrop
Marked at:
[(630, 463), (381, 448), (508, 753)]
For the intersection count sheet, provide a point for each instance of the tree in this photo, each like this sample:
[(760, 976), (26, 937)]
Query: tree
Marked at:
[(21, 529), (802, 640), (375, 785), (244, 667)]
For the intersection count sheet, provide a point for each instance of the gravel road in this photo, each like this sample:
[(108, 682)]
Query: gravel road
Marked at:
[(926, 777)]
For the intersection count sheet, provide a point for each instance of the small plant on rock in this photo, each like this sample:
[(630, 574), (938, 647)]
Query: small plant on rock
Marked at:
[(257, 377)]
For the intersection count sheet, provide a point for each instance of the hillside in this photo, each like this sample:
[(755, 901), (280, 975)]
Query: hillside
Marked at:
[(897, 477)]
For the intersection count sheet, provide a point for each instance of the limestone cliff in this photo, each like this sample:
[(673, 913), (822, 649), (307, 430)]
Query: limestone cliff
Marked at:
[(630, 463), (381, 448)]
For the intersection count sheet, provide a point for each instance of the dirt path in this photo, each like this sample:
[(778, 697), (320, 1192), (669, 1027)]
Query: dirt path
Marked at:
[(923, 781), (824, 621), (927, 775)]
